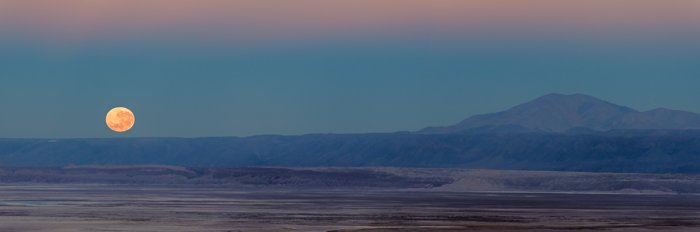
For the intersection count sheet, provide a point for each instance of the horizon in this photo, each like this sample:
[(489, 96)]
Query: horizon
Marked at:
[(369, 132), (349, 115), (240, 68)]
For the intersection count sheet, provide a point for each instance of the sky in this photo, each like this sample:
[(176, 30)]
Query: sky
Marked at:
[(200, 68)]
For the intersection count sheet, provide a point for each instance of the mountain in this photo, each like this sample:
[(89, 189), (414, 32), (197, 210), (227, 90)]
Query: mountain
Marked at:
[(553, 133), (640, 151), (563, 113)]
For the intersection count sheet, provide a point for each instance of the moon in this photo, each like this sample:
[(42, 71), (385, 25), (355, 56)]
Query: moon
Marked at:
[(120, 119)]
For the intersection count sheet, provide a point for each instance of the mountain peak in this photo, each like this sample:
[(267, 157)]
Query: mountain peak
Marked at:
[(563, 96), (573, 99), (561, 112)]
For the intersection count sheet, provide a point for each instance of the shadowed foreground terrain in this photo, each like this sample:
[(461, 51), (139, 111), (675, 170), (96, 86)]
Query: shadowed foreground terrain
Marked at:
[(150, 208), (424, 179), (168, 198)]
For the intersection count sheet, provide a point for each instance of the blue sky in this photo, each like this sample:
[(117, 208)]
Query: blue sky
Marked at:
[(403, 80)]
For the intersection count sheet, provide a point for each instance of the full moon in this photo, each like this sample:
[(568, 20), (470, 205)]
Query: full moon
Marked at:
[(120, 119)]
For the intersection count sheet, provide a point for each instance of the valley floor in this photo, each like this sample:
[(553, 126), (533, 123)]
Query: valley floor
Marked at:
[(96, 207)]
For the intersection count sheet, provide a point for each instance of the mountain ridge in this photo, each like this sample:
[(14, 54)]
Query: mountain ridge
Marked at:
[(492, 144), (561, 113), (641, 151)]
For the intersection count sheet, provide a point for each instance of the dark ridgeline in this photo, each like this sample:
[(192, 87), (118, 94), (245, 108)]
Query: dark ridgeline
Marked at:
[(554, 132)]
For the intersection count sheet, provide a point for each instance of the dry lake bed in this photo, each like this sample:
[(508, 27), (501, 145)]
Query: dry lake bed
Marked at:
[(97, 207)]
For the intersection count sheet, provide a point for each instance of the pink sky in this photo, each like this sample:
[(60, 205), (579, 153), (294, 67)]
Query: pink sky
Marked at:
[(78, 19)]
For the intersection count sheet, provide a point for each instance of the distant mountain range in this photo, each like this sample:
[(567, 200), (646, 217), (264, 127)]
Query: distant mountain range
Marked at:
[(554, 132), (563, 113)]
